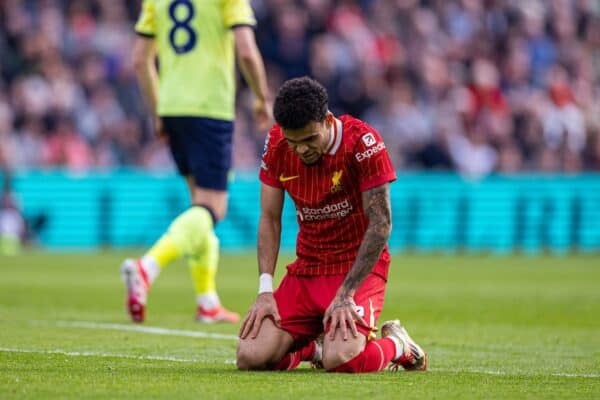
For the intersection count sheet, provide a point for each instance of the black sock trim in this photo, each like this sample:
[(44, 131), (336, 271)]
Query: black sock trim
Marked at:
[(213, 216)]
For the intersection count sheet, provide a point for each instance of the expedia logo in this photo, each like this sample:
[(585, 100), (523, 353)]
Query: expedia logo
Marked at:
[(368, 139), (369, 152), (330, 211)]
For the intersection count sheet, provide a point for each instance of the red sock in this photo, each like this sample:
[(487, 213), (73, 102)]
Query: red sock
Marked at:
[(375, 357), (291, 360)]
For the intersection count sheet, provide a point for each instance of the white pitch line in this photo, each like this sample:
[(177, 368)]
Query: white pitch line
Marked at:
[(107, 355), (220, 336), (154, 330)]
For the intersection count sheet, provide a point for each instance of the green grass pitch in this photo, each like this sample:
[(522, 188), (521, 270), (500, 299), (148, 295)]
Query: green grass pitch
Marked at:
[(506, 327)]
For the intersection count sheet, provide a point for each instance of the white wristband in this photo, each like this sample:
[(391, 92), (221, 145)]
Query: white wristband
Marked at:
[(265, 283)]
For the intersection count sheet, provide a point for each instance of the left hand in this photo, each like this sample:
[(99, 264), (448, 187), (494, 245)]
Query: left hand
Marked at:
[(342, 313)]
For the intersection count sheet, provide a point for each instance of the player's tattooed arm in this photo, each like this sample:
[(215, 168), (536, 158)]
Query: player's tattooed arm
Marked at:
[(342, 313), (376, 203)]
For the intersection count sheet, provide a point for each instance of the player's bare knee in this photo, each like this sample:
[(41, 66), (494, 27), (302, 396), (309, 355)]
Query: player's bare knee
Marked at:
[(253, 354), (249, 358), (338, 355), (338, 351), (246, 362)]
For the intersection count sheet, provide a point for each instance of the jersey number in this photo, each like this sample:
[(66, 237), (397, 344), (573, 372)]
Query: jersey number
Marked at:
[(182, 24)]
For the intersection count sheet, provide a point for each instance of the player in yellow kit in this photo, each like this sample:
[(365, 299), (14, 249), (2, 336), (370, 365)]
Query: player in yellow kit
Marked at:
[(192, 97)]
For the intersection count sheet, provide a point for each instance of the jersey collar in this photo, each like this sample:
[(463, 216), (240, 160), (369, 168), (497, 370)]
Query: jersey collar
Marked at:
[(335, 139)]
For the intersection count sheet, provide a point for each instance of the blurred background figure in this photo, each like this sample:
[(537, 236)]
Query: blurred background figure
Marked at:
[(12, 224), (185, 67)]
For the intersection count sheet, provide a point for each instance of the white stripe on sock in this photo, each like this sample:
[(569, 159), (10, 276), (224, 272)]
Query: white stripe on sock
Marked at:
[(151, 267)]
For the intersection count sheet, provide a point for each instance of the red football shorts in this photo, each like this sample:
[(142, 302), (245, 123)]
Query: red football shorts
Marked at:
[(303, 300)]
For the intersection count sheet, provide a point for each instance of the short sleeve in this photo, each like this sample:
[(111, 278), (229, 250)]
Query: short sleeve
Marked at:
[(372, 160), (238, 12), (268, 163), (146, 23)]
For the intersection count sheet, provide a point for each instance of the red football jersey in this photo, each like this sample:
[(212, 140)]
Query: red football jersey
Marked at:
[(327, 195)]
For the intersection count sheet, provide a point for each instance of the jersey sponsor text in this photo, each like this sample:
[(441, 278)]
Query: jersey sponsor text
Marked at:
[(360, 157), (330, 211)]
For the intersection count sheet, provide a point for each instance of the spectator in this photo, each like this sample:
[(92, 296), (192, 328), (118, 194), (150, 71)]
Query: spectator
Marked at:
[(562, 119), (439, 79)]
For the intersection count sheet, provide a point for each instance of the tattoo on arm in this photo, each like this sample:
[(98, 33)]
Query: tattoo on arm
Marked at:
[(378, 209)]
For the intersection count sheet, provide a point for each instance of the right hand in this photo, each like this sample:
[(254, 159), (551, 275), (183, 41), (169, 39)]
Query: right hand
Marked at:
[(264, 306), (159, 128), (263, 114)]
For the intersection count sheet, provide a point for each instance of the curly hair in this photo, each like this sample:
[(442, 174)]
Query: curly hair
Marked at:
[(299, 102)]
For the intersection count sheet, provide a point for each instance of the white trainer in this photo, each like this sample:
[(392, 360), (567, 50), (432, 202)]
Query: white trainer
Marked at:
[(413, 358), (137, 285)]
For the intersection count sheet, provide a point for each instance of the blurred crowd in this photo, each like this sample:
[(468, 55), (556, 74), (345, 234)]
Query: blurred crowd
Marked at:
[(478, 86)]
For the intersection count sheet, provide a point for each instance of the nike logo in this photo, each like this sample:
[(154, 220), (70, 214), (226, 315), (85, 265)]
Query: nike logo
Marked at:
[(287, 178)]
